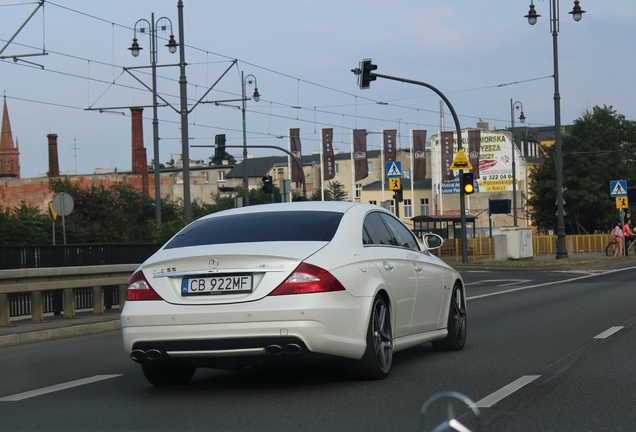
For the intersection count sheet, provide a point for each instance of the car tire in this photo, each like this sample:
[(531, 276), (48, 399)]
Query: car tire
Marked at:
[(376, 362), (456, 338), (168, 375)]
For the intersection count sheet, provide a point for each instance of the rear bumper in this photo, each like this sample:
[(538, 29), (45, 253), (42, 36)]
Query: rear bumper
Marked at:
[(291, 326)]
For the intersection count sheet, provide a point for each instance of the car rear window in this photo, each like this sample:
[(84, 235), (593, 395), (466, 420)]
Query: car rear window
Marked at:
[(259, 227)]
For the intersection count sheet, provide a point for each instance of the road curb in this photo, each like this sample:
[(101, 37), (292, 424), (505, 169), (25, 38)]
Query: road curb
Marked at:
[(58, 333)]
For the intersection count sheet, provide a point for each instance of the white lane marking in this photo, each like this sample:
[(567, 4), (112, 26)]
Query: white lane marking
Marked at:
[(607, 333), (581, 271), (510, 281), (546, 284), (506, 391), (515, 282), (57, 387)]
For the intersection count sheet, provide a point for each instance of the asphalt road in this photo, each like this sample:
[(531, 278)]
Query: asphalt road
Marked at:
[(546, 350)]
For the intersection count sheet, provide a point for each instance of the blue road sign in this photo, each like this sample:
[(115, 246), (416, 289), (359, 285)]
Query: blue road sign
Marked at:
[(393, 169), (618, 188)]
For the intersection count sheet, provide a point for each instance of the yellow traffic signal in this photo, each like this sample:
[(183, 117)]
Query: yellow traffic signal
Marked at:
[(468, 183)]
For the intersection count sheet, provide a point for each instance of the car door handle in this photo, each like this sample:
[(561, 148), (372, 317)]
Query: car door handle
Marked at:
[(387, 265), (417, 268)]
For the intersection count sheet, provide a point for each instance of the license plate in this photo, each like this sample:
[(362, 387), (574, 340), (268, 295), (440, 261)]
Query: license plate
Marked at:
[(227, 284)]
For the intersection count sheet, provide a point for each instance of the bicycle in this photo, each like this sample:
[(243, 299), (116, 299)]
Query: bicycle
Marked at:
[(610, 249)]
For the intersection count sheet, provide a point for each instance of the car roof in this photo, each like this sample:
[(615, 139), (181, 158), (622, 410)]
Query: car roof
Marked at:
[(334, 206)]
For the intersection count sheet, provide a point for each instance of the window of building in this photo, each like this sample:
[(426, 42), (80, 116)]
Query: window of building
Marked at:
[(358, 191), (206, 176), (424, 210), (408, 208), (370, 166), (406, 174), (374, 202), (337, 169), (281, 174), (221, 176)]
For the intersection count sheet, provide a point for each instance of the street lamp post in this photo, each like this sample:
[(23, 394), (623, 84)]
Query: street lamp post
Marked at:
[(244, 81), (522, 118), (577, 14), (183, 96), (161, 24)]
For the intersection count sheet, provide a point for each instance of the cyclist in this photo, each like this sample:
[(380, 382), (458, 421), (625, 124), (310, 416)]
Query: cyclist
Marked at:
[(617, 235), (628, 234)]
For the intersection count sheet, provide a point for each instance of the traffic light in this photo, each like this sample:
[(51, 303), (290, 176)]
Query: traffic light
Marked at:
[(365, 77), (268, 186), (467, 183), (398, 196), (219, 147)]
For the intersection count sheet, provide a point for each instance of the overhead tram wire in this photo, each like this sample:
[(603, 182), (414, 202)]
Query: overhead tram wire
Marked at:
[(298, 80), (283, 105)]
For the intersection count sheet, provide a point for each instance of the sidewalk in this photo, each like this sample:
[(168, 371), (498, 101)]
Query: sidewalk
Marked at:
[(24, 331), (579, 261)]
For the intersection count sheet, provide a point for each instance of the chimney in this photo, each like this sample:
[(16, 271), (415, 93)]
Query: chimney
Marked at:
[(54, 165), (139, 157)]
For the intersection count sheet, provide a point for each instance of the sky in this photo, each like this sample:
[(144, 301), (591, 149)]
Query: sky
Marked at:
[(482, 55)]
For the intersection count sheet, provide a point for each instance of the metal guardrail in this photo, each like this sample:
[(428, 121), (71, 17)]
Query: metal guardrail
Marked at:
[(73, 287), (90, 254)]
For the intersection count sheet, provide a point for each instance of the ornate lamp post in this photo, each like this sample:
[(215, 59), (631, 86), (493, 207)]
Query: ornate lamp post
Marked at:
[(256, 96), (151, 28), (522, 118), (577, 14)]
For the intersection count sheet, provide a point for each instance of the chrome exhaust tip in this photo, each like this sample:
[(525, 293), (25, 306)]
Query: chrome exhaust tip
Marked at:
[(274, 350), (138, 355), (153, 354), (292, 349)]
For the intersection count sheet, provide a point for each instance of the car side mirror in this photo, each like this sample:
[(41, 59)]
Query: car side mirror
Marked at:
[(432, 241)]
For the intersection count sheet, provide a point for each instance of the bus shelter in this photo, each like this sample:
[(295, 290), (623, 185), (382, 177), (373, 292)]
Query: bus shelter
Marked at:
[(446, 226)]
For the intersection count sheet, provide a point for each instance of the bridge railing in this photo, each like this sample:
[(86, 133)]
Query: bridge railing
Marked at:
[(62, 290), (89, 254)]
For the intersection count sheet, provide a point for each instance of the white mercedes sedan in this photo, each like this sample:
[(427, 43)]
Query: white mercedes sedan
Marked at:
[(291, 282)]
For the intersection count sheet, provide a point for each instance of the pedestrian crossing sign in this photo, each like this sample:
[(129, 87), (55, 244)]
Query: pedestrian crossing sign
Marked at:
[(393, 169), (395, 183), (618, 188)]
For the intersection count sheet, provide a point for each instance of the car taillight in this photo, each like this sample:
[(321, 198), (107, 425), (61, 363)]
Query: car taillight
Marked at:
[(308, 278), (140, 289)]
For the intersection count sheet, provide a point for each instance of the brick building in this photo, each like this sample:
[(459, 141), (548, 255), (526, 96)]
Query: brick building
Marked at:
[(35, 192)]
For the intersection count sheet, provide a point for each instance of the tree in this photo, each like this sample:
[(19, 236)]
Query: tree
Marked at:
[(217, 161), (600, 147), (117, 213), (24, 225), (334, 192)]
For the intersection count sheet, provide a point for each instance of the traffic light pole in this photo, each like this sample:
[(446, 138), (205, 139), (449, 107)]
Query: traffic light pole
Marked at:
[(300, 165), (462, 204)]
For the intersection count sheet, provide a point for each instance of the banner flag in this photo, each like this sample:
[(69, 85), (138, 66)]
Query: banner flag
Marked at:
[(474, 145), (294, 148), (360, 154), (419, 155), (328, 162), (447, 155), (390, 144)]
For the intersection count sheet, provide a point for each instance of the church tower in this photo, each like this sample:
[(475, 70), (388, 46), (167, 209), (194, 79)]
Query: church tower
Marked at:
[(9, 154)]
